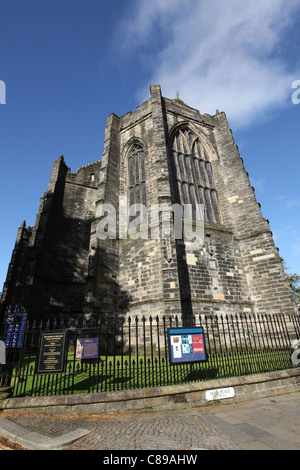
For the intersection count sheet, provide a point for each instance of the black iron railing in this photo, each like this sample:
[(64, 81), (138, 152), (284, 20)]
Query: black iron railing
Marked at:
[(130, 353)]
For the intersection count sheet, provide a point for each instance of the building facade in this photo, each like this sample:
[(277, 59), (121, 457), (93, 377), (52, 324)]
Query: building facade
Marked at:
[(164, 153)]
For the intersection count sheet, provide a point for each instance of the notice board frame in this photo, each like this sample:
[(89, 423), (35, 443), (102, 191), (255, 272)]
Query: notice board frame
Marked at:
[(60, 367), (192, 357)]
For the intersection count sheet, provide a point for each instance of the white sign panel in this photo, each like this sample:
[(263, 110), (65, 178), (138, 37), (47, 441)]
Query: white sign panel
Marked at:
[(176, 343), (2, 353), (219, 394)]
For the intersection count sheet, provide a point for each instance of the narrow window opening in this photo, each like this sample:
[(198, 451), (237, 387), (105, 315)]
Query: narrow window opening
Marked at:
[(136, 178)]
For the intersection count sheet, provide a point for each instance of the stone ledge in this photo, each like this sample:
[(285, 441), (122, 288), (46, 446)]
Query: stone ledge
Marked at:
[(247, 388)]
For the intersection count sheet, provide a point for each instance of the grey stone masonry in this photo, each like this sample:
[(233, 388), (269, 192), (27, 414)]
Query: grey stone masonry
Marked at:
[(163, 153)]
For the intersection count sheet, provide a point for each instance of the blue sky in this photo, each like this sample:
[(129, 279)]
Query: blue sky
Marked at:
[(68, 64)]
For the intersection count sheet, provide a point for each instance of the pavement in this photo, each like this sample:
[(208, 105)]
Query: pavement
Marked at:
[(265, 424)]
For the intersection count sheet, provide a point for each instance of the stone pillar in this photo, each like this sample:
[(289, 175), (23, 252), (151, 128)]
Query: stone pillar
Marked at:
[(103, 287), (268, 286), (172, 294)]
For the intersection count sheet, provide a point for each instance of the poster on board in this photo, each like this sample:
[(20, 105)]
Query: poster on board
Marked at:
[(186, 345), (87, 348)]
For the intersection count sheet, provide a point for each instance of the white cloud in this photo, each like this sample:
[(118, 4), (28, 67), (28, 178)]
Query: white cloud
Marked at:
[(221, 54), (293, 203), (296, 246), (143, 17)]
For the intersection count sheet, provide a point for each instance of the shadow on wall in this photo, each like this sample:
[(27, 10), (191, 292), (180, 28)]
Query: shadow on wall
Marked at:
[(66, 274)]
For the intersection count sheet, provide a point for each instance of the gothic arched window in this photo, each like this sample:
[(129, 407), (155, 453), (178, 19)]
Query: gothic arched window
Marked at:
[(136, 177), (194, 178)]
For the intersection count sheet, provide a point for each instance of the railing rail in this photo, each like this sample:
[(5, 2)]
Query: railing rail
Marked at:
[(134, 352)]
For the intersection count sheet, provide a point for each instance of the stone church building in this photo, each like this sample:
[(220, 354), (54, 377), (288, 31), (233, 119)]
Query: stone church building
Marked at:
[(163, 153)]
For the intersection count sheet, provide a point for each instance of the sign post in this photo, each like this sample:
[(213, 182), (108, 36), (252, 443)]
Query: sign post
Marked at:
[(186, 345)]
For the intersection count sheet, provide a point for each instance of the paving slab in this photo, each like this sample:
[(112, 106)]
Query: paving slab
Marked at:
[(35, 441)]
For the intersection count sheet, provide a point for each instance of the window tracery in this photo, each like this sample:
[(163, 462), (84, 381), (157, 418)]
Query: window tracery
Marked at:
[(193, 174), (137, 179)]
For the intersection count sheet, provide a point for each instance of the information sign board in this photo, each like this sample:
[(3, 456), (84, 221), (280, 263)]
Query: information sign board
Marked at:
[(186, 345), (15, 330), (87, 348), (52, 353)]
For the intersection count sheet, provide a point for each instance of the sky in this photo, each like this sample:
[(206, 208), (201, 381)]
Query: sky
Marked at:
[(66, 65)]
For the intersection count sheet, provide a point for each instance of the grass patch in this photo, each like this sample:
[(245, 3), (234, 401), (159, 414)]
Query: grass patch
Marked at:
[(126, 372)]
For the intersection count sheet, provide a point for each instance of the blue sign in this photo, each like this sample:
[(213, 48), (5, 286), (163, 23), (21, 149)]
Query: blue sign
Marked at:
[(186, 345), (15, 331)]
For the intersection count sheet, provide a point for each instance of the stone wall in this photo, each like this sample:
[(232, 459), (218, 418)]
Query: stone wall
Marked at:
[(56, 253), (246, 388)]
